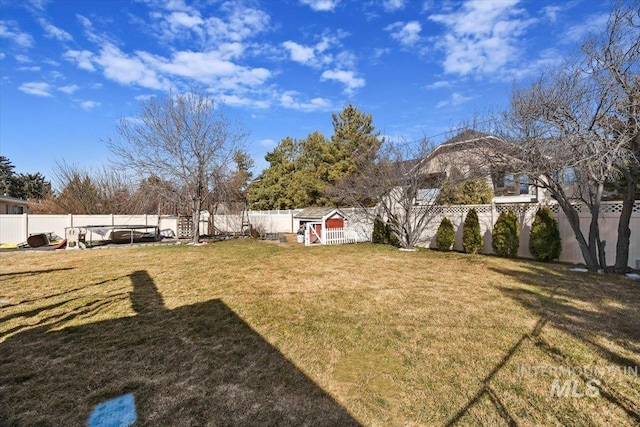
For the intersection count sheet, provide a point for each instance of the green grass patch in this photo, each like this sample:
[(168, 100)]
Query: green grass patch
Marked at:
[(250, 333)]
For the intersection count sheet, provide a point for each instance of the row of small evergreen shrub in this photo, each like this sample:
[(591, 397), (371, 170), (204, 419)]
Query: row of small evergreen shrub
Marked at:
[(544, 238)]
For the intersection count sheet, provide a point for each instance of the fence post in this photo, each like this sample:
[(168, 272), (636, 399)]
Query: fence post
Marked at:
[(25, 225), (70, 218), (291, 215)]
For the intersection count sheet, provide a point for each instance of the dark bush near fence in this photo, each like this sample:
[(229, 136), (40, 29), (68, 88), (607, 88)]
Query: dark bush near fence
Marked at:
[(383, 234), (471, 236), (445, 236), (506, 235), (544, 241)]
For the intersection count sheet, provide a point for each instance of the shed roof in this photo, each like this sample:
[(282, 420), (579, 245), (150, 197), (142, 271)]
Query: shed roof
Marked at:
[(318, 213), (15, 200)]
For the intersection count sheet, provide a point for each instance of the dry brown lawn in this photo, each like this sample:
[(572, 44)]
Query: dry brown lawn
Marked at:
[(248, 333)]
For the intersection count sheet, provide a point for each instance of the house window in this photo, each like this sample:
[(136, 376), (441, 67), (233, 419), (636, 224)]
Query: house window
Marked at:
[(568, 175), (523, 184), (13, 209), (427, 195), (509, 182)]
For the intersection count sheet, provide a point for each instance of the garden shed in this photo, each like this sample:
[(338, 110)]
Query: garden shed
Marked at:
[(321, 225)]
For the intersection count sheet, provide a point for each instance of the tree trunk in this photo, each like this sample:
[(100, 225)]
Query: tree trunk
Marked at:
[(596, 247), (196, 220), (588, 255), (624, 232)]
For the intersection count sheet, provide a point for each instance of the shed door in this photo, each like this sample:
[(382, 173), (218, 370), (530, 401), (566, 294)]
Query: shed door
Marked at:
[(312, 236)]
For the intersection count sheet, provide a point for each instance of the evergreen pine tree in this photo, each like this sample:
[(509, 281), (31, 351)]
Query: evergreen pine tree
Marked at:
[(506, 235), (445, 236), (544, 240), (471, 237)]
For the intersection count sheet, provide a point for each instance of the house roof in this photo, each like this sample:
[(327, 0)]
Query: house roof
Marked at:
[(14, 200), (465, 140), (318, 213), (469, 139)]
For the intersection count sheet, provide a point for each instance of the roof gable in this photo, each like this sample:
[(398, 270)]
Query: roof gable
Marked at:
[(318, 213)]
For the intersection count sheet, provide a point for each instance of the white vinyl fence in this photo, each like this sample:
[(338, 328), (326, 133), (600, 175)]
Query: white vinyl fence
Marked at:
[(361, 223), (16, 228), (488, 214)]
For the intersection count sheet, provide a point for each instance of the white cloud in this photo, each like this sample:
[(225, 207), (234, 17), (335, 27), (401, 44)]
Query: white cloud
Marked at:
[(321, 5), (2, 55), (82, 58), (551, 12), (482, 36), (288, 100), (240, 24), (300, 53), (176, 5), (56, 75), (406, 34), (89, 31), (36, 88), (38, 4), (53, 32), (317, 55), (347, 78), (393, 5), (69, 89), (207, 67), (182, 24), (22, 58), (219, 42), (126, 69), (182, 19), (10, 30), (88, 105), (438, 84), (143, 97), (380, 52), (578, 33), (34, 68), (454, 100), (548, 59), (239, 101)]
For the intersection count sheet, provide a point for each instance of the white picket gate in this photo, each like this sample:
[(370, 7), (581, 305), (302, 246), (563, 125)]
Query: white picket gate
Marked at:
[(339, 236)]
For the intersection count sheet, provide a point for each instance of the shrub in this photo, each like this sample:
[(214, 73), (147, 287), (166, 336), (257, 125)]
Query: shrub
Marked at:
[(544, 240), (471, 237), (383, 234), (471, 192), (445, 236), (506, 235)]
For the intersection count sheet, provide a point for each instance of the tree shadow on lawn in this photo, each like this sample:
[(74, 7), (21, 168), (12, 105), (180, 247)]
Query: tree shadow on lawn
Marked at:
[(586, 307), (193, 365), (594, 309)]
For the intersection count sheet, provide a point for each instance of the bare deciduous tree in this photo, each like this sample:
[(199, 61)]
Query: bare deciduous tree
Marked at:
[(397, 189), (614, 57), (570, 120), (185, 140)]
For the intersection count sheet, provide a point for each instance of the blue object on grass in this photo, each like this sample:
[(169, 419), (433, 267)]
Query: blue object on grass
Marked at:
[(118, 412)]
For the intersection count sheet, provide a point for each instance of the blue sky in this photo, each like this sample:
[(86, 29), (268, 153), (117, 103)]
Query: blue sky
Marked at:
[(69, 69)]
